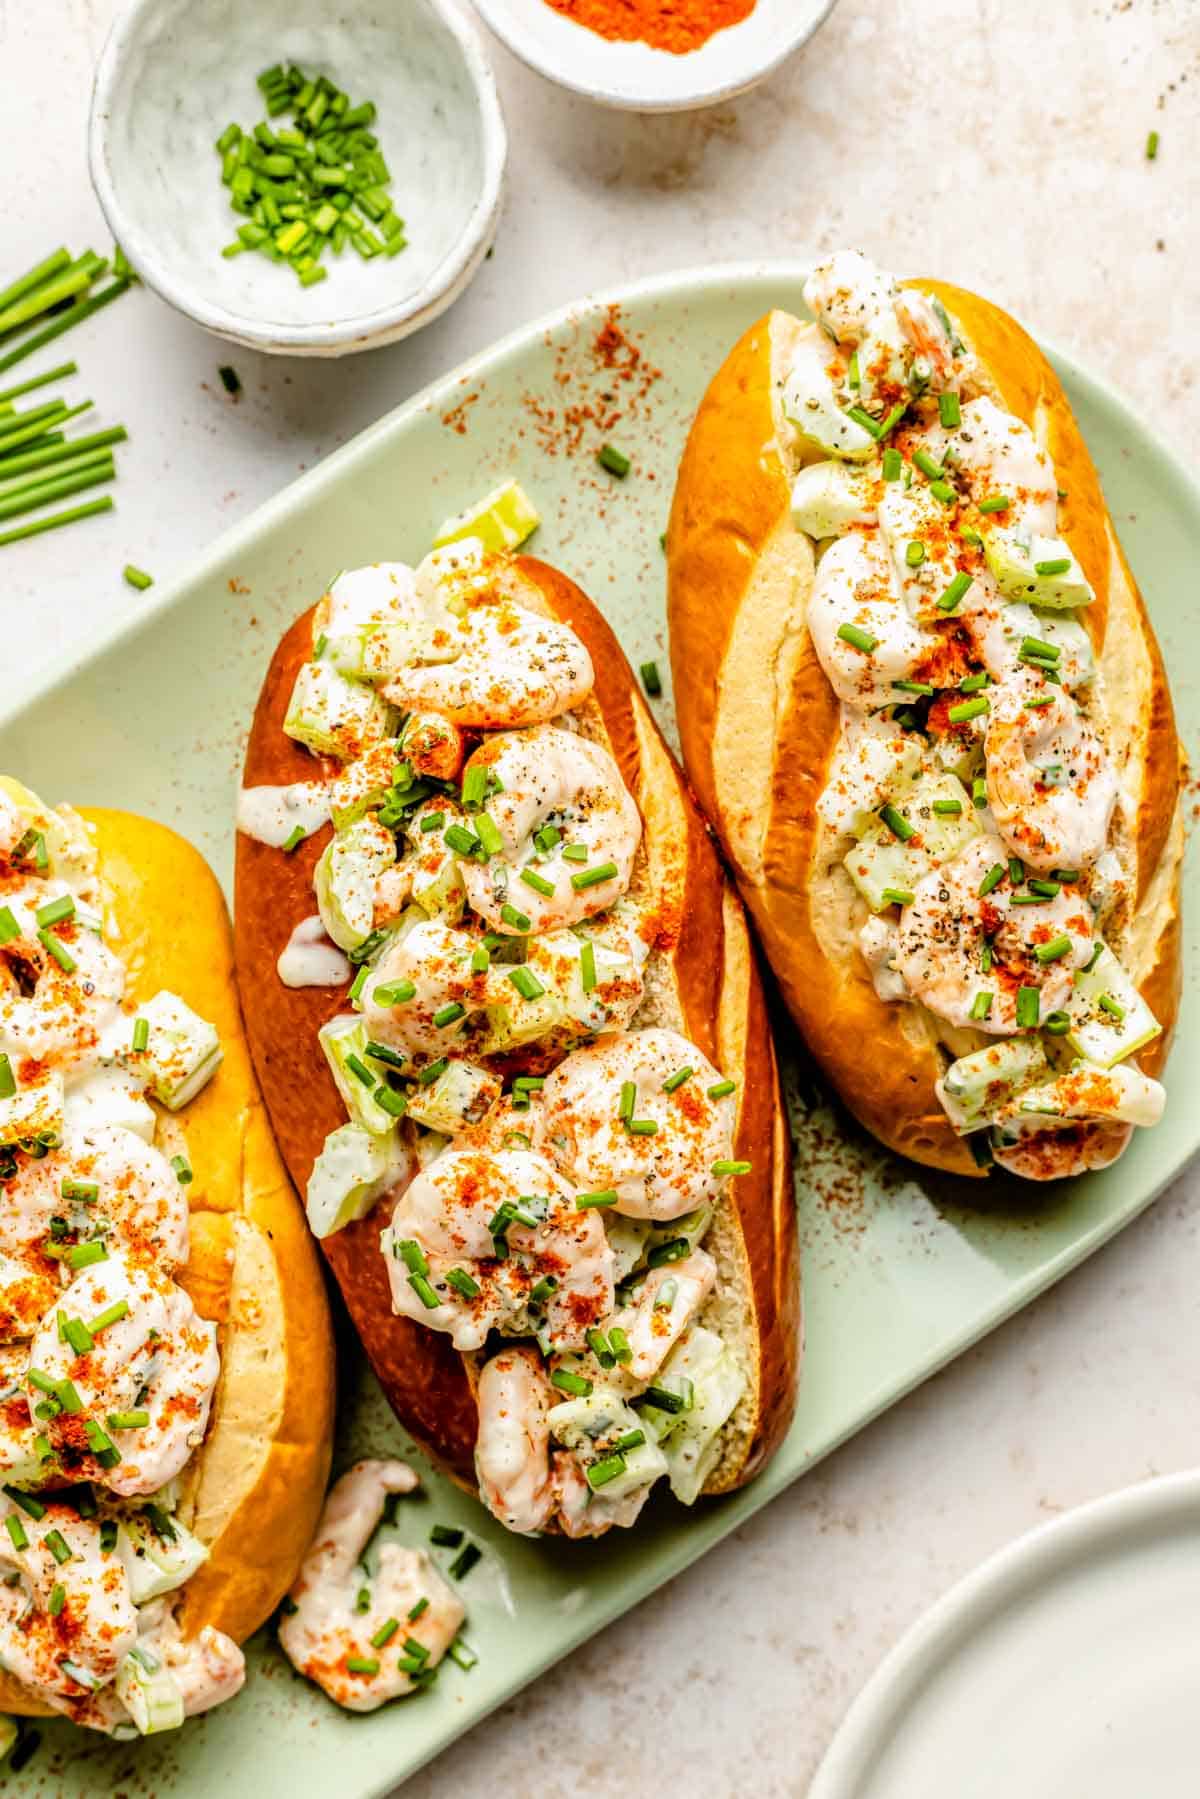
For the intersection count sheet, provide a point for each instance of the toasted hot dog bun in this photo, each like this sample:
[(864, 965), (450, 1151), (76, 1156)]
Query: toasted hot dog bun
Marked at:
[(253, 1491), (701, 979), (758, 718)]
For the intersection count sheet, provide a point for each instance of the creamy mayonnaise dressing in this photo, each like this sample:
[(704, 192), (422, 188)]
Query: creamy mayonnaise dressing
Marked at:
[(945, 613), (480, 885), (107, 1371)]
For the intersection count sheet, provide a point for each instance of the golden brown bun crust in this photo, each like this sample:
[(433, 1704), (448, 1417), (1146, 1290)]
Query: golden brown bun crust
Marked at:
[(254, 1491), (740, 669), (424, 1377)]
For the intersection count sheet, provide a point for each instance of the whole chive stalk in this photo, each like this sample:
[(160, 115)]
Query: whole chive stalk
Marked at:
[(75, 315), (41, 494), (56, 521)]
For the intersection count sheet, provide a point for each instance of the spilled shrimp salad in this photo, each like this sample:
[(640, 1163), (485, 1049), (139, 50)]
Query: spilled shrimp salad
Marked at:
[(482, 895), (107, 1372), (971, 796)]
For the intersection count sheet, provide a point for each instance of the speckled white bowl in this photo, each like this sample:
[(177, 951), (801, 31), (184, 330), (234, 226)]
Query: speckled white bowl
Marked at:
[(175, 72), (643, 80)]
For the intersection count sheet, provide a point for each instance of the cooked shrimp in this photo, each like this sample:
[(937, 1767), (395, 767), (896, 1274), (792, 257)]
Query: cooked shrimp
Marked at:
[(207, 1668), (433, 746), (931, 342), (490, 660), (1059, 1152), (352, 1627), (611, 1123), (104, 1180), (435, 961), (152, 1365), (66, 1619), (995, 454), (523, 1254), (665, 1304), (59, 991), (846, 293), (855, 590), (568, 827), (999, 628), (1051, 784), (872, 756), (523, 1483), (13, 824), (955, 942), (512, 1448)]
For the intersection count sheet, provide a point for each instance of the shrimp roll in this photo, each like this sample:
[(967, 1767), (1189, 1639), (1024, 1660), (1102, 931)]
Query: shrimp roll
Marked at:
[(511, 1035), (924, 708), (166, 1362)]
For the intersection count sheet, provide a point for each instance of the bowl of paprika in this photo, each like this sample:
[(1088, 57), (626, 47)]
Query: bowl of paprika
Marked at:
[(654, 55)]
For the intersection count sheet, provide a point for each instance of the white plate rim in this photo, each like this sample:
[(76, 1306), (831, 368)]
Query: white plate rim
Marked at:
[(972, 1603)]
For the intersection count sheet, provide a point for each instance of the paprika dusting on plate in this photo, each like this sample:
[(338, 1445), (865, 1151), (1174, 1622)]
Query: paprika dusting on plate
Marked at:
[(675, 25)]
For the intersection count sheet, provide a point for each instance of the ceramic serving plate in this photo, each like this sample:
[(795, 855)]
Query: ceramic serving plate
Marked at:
[(901, 1272), (1085, 1630)]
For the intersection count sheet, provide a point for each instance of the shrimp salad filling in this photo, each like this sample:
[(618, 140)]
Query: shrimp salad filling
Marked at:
[(972, 798), (555, 1160), (107, 1372)]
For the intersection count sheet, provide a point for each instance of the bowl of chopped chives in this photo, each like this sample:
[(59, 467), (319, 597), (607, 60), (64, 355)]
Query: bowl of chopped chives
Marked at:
[(300, 178)]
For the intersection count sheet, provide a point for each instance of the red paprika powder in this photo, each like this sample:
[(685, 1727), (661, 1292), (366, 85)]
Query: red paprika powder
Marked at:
[(675, 25)]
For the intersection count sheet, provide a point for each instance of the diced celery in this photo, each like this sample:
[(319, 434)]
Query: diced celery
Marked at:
[(344, 1040), (828, 496), (334, 716), (976, 1087), (149, 1692), (1014, 561), (32, 1110), (1106, 1034), (461, 1095), (352, 1170), (182, 1052), (345, 876), (156, 1562)]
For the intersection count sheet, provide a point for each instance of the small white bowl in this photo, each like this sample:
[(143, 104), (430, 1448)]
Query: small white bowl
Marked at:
[(633, 76), (174, 73)]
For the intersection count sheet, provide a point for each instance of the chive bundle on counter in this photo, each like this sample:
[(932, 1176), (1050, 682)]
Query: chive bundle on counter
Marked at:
[(319, 183), (39, 464)]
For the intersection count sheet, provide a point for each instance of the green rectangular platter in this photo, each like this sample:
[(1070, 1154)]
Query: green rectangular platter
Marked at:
[(900, 1273)]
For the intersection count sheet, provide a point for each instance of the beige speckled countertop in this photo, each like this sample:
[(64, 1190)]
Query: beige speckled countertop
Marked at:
[(999, 143)]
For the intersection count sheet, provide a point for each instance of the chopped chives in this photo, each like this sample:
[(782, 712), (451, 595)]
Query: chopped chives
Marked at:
[(949, 410), (923, 688), (897, 824), (974, 683), (722, 1089), (997, 502), (895, 896), (518, 920), (1057, 565), (137, 577), (892, 464), (1029, 1002), (1054, 950), (605, 1196), (183, 1170), (914, 554), (1057, 1023), (929, 465), (1152, 146), (651, 680), (74, 315), (592, 877), (724, 1168), (577, 1385), (448, 1015), (393, 993), (1112, 1006), (887, 426), (991, 879), (445, 1536), (9, 928), (587, 966), (955, 592), (461, 1281), (677, 1079), (614, 460), (968, 709), (981, 1005), (525, 982), (857, 638), (538, 882), (465, 1560)]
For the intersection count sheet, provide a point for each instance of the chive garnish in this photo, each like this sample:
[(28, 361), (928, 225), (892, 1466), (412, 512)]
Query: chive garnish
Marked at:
[(538, 882), (56, 948), (954, 593), (928, 465), (991, 879), (897, 824), (723, 1168), (677, 1079), (361, 1664), (445, 1536), (949, 411), (605, 1196), (914, 554), (892, 464), (183, 1170), (85, 1255), (651, 679), (137, 1419), (587, 966), (461, 1281), (576, 1384), (592, 877), (1053, 950), (1112, 1006), (525, 982), (1057, 1023), (393, 993), (966, 710), (721, 1089), (1057, 565), (887, 426), (996, 502), (981, 1005), (897, 896), (8, 1080), (1151, 146), (614, 460), (1029, 1002), (923, 688), (857, 638)]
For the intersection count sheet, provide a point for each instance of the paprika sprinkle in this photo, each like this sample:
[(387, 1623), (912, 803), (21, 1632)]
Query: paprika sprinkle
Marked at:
[(674, 25)]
